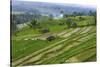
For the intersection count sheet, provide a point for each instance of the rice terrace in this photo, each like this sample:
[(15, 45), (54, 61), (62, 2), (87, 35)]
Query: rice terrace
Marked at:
[(52, 34)]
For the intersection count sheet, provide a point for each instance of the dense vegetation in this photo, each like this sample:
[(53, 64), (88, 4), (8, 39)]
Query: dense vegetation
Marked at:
[(47, 41), (45, 33)]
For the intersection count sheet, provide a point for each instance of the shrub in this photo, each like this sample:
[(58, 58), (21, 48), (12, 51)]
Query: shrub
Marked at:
[(61, 23), (81, 18), (50, 38), (69, 21), (45, 30), (73, 24)]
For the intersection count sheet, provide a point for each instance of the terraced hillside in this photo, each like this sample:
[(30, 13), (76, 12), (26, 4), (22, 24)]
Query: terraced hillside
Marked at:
[(71, 45)]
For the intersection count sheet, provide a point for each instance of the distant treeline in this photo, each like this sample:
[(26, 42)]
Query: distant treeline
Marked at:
[(23, 18)]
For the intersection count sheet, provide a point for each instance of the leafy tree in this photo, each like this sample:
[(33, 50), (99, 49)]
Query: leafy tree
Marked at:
[(50, 17), (91, 13), (14, 28), (95, 17), (69, 22), (66, 15), (33, 23), (74, 14), (61, 11), (77, 14)]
